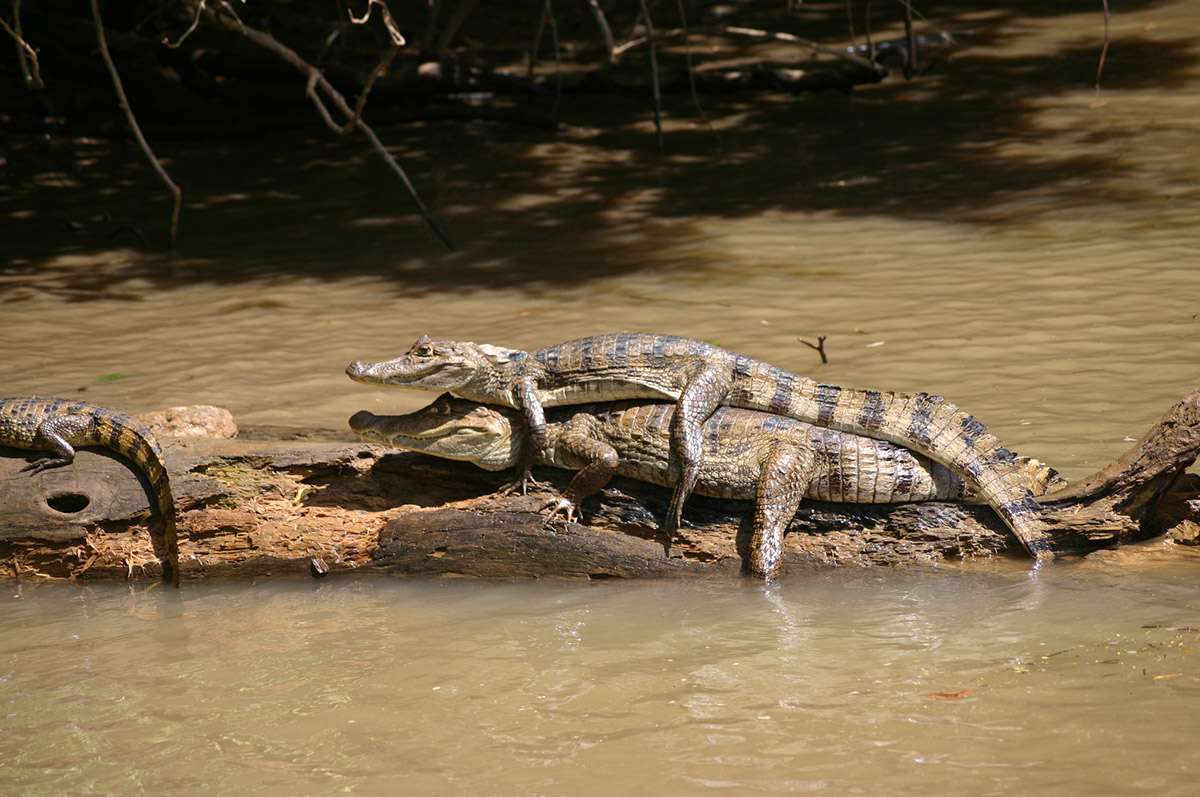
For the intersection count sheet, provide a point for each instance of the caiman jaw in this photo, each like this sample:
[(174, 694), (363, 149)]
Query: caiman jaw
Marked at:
[(450, 428), (428, 365)]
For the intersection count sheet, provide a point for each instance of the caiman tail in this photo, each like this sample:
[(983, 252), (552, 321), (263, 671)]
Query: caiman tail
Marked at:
[(60, 425), (927, 424)]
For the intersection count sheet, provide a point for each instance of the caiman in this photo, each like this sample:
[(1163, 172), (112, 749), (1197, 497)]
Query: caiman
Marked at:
[(772, 460), (700, 377), (59, 425)]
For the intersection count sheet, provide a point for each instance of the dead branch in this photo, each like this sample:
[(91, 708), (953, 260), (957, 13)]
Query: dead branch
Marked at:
[(26, 55), (1104, 49), (819, 346), (380, 69), (809, 44), (662, 145), (605, 31), (172, 186), (456, 20), (691, 74), (190, 28), (389, 23), (228, 19)]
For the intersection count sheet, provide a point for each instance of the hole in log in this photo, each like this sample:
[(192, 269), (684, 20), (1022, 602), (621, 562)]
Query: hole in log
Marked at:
[(68, 503)]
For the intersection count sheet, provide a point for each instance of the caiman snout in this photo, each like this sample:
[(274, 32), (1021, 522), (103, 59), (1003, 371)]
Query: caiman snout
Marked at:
[(361, 419), (356, 368)]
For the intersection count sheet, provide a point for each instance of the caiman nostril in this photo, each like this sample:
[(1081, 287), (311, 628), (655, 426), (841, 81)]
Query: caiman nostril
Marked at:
[(356, 368)]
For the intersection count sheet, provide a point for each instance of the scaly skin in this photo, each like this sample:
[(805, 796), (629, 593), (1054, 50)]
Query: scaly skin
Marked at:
[(700, 377), (60, 425), (772, 460)]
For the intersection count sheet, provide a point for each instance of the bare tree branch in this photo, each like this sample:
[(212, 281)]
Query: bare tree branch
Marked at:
[(228, 20), (1104, 49), (176, 191), (808, 43), (190, 28), (606, 33), (456, 21), (691, 74), (26, 55), (389, 23), (662, 145)]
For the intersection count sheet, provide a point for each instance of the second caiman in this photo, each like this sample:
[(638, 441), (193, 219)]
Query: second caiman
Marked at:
[(772, 460), (700, 377)]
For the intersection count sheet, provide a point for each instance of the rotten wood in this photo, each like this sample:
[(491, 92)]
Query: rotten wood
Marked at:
[(275, 502)]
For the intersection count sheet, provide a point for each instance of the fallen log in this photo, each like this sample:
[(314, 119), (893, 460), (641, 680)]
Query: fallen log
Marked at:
[(280, 502)]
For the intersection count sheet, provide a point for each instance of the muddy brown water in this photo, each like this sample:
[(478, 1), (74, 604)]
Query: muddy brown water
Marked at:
[(996, 232)]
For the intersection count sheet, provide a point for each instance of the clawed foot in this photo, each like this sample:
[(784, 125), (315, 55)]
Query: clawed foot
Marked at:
[(522, 484), (561, 508), (44, 463)]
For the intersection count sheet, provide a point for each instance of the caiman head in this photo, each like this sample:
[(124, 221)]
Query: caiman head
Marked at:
[(451, 428), (433, 365)]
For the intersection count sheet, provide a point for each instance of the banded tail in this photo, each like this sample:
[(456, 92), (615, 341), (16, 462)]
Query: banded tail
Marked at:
[(60, 425), (925, 423)]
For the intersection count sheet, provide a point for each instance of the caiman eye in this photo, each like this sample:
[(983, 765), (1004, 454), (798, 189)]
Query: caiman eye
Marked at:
[(423, 351)]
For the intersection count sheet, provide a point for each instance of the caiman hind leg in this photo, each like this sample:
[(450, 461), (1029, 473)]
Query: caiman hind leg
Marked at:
[(704, 392), (61, 452), (597, 462), (785, 475)]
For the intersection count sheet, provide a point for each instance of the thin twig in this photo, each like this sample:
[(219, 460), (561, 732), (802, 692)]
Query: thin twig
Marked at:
[(190, 28), (808, 43), (176, 191), (362, 97), (1104, 49), (819, 346), (456, 21), (662, 145), (26, 55), (910, 63), (557, 61), (536, 47), (687, 58), (392, 28), (606, 33), (316, 80)]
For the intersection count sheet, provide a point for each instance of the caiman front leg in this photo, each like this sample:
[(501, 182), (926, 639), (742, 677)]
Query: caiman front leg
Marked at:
[(535, 439), (704, 392), (784, 479), (600, 461)]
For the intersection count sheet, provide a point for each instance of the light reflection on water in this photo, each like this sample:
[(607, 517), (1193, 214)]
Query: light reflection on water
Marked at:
[(850, 680)]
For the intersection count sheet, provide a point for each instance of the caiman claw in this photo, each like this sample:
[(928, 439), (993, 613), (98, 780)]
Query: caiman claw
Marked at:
[(522, 484), (561, 507)]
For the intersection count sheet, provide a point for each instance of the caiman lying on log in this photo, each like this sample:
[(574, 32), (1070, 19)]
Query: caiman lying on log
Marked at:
[(772, 460), (59, 425), (302, 502), (700, 377)]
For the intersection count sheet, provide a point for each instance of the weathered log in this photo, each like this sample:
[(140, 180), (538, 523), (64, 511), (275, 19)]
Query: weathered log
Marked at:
[(313, 503)]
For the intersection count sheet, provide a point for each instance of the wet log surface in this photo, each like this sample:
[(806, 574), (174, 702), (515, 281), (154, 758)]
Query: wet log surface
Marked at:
[(279, 502)]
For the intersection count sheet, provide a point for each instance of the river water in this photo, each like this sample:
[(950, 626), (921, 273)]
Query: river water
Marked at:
[(996, 231)]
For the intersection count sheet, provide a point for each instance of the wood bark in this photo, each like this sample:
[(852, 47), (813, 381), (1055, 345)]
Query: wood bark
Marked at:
[(280, 502)]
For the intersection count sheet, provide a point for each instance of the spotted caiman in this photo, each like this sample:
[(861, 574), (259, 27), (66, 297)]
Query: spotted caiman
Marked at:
[(746, 455), (59, 425), (700, 377)]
